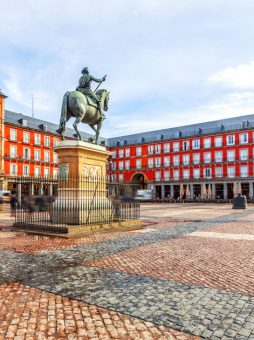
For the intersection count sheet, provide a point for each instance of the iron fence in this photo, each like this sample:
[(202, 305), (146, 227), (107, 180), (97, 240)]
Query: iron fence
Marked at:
[(73, 202)]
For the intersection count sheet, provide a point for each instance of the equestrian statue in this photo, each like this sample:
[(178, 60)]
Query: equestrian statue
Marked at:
[(86, 105)]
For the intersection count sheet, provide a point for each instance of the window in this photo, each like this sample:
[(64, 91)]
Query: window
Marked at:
[(13, 134), (55, 157), (121, 153), (157, 148), (207, 173), (243, 138), (13, 151), (55, 142), (218, 172), (207, 143), (37, 155), (231, 155), (176, 160), (138, 151), (127, 152), (196, 158), (37, 171), (127, 165), (150, 163), (13, 169), (231, 171), (113, 154), (138, 163), (37, 139), (166, 161), (243, 154), (55, 173), (150, 149), (46, 172), (186, 145), (46, 141), (166, 147), (26, 137), (121, 178), (166, 175), (46, 156), (196, 173), (113, 177), (207, 157), (196, 144), (231, 140), (218, 141), (244, 171), (157, 176), (26, 170), (120, 165), (218, 156), (186, 174), (176, 175), (26, 153), (176, 146), (113, 165), (158, 162), (186, 159)]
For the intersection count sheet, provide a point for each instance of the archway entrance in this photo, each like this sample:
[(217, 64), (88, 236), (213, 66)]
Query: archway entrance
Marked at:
[(139, 180)]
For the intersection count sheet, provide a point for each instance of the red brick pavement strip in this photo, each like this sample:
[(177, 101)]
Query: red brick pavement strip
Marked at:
[(238, 227), (215, 263), (33, 244), (29, 313)]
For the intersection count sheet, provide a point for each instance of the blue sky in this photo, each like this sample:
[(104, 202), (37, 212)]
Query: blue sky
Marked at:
[(169, 62)]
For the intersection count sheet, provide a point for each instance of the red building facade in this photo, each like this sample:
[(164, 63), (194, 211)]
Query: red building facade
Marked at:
[(195, 164)]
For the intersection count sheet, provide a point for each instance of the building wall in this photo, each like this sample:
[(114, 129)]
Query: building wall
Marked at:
[(236, 163), (1, 140)]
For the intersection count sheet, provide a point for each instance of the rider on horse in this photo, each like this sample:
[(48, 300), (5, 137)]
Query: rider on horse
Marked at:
[(85, 87)]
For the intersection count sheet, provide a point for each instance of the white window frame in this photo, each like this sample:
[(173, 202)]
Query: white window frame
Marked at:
[(121, 153), (196, 158), (37, 151), (218, 156), (176, 146), (37, 139), (13, 134), (230, 139), (166, 175), (166, 148), (186, 173), (113, 155), (47, 141), (207, 173), (55, 157), (37, 171), (150, 149), (157, 162), (176, 160), (242, 138), (157, 176), (244, 154), (244, 173), (230, 158), (120, 165), (186, 159), (218, 172), (26, 173), (127, 165), (138, 163), (46, 172), (196, 144), (28, 153), (207, 143), (207, 157), (231, 171), (166, 161), (46, 158), (26, 137), (186, 145), (55, 173), (218, 141), (138, 151), (127, 152), (15, 167), (196, 173), (158, 148), (150, 163), (176, 175), (13, 151)]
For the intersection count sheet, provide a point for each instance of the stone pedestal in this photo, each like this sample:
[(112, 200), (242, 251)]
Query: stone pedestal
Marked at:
[(81, 198)]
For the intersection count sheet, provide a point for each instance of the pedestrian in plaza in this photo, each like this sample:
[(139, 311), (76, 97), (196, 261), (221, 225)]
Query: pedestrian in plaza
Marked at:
[(13, 204)]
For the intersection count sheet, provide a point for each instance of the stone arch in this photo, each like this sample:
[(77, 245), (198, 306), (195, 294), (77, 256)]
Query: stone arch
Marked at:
[(139, 179)]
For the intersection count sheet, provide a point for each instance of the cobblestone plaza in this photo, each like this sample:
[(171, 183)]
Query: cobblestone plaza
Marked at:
[(187, 274)]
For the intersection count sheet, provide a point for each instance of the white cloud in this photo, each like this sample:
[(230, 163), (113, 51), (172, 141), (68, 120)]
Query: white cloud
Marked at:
[(241, 76)]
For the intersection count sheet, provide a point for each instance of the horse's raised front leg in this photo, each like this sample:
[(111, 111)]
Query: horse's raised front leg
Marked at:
[(75, 125)]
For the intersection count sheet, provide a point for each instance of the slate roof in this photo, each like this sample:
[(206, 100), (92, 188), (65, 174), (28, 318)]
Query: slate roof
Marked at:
[(37, 124), (212, 127)]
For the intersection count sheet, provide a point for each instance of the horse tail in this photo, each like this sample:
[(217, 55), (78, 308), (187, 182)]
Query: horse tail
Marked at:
[(64, 113)]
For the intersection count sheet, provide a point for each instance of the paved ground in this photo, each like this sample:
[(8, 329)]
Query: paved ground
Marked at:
[(188, 274)]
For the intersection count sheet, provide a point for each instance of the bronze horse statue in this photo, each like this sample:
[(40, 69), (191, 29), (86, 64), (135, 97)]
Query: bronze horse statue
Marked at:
[(77, 105)]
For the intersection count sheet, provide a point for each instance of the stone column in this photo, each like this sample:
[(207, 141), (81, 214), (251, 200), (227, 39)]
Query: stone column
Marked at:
[(50, 189), (19, 194), (225, 191), (31, 189), (213, 191), (251, 190), (162, 192), (172, 191), (191, 191)]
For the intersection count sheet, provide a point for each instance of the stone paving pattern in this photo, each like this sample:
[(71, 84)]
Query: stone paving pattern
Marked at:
[(162, 275)]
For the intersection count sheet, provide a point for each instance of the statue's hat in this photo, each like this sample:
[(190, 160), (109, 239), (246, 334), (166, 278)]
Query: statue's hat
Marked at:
[(85, 70)]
